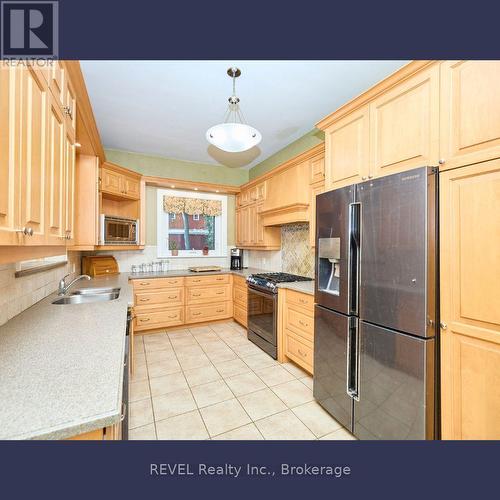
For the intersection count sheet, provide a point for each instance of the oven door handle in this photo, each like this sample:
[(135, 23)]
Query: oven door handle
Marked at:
[(267, 295)]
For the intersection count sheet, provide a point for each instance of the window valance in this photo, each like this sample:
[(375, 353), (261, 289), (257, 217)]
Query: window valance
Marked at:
[(192, 206)]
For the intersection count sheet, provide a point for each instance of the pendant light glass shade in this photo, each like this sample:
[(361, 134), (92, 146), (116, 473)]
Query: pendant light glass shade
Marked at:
[(233, 135)]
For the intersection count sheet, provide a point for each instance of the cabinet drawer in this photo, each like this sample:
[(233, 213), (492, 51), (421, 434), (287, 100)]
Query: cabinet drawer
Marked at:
[(299, 323), (299, 352), (240, 314), (197, 313), (215, 279), (148, 320), (240, 296), (302, 300), (148, 284), (203, 295), (239, 281), (160, 298)]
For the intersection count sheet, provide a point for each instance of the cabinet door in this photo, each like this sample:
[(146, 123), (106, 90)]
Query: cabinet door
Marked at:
[(10, 153), (347, 144), (33, 154), (259, 235), (470, 288), (404, 125), (131, 187), (55, 182), (470, 107), (245, 226), (56, 82), (111, 182), (261, 191), (317, 169), (252, 224), (69, 186), (69, 107), (238, 228), (315, 190)]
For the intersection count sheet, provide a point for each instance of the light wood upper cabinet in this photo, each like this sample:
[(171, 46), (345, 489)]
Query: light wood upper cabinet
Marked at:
[(470, 291), (10, 153), (347, 144), (69, 107), (132, 187), (404, 125), (317, 169), (34, 143), (111, 181), (315, 190), (115, 182), (69, 187), (56, 82), (55, 174), (470, 110)]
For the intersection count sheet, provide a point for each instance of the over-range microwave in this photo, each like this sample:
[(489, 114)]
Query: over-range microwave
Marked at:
[(118, 231)]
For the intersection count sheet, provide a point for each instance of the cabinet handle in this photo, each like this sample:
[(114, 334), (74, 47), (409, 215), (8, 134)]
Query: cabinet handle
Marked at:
[(171, 297), (196, 281), (302, 354), (196, 294), (220, 293), (442, 161), (27, 231), (143, 320), (363, 178), (67, 112), (302, 301), (145, 300), (196, 314), (172, 316), (443, 325), (219, 310), (219, 279), (173, 282), (370, 176), (144, 283), (302, 323)]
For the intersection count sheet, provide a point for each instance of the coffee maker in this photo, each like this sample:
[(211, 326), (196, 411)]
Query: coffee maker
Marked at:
[(236, 258)]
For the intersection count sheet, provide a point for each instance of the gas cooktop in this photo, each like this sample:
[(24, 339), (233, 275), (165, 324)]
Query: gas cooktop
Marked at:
[(268, 281)]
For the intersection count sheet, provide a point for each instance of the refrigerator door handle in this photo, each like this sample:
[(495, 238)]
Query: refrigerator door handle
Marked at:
[(354, 254), (352, 388)]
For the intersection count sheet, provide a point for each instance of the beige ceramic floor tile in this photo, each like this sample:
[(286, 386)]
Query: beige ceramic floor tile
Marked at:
[(211, 393), (246, 433), (236, 340), (308, 381), (261, 404), (139, 390), (141, 413), (139, 358), (187, 426), (339, 435), (179, 333), (245, 383), (188, 350), (295, 370), (192, 362), (283, 425), (140, 373), (220, 357), (183, 342), (274, 375), (246, 350), (206, 337), (316, 419), (173, 404), (202, 375), (200, 330), (146, 433), (161, 355), (293, 393), (259, 360), (233, 367), (161, 368), (224, 417), (167, 384)]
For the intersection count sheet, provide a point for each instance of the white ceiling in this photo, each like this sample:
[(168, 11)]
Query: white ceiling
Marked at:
[(165, 107)]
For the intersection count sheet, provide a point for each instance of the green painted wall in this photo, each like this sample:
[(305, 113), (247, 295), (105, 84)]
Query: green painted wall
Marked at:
[(306, 142), (177, 169)]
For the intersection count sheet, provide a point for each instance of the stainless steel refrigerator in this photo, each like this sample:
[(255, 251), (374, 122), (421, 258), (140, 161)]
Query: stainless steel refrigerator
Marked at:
[(376, 295)]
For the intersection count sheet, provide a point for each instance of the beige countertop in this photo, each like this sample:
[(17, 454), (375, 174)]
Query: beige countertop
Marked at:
[(185, 272), (299, 286), (61, 366)]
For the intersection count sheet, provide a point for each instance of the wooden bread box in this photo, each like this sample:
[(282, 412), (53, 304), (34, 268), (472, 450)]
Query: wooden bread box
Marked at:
[(99, 265)]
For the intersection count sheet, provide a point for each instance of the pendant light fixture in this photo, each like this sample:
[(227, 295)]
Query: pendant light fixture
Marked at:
[(233, 135)]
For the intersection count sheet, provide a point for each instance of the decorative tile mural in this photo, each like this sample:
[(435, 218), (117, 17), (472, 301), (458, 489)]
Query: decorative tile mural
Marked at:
[(297, 255)]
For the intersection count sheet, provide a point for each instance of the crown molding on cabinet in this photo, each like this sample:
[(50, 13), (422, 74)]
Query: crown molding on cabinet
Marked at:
[(203, 187)]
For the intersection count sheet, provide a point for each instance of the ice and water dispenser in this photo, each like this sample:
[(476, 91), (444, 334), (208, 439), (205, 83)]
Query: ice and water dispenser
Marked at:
[(329, 265)]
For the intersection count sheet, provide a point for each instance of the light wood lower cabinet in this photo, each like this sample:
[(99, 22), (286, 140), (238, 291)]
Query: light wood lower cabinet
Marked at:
[(470, 291), (296, 328), (240, 300), (170, 302)]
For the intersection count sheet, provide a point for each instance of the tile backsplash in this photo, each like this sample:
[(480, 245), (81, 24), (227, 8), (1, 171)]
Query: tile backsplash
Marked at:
[(295, 256), (17, 294)]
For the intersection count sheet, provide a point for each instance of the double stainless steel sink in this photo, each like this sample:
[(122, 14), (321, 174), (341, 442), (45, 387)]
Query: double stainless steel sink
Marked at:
[(87, 295)]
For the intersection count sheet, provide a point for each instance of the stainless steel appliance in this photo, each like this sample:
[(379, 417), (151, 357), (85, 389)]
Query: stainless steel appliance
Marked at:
[(376, 295), (236, 258), (262, 308), (118, 231)]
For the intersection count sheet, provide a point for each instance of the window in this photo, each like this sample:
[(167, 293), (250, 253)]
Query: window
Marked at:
[(189, 222)]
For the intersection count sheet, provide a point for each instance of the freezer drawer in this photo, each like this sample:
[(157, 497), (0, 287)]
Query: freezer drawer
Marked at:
[(396, 385), (331, 332), (398, 252)]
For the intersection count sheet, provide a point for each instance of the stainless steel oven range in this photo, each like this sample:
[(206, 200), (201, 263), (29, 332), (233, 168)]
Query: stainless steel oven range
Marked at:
[(263, 308)]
